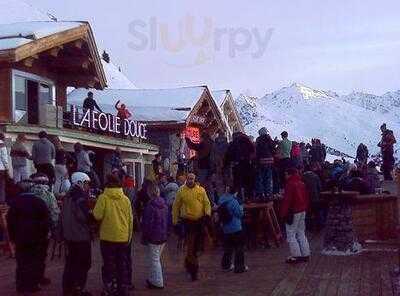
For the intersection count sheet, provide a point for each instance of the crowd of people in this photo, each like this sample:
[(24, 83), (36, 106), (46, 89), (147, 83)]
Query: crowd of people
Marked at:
[(206, 199)]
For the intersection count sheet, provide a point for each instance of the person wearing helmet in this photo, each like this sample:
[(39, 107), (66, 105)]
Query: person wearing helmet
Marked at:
[(76, 218)]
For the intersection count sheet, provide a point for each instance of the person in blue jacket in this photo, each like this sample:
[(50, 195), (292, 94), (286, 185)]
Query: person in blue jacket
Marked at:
[(230, 215)]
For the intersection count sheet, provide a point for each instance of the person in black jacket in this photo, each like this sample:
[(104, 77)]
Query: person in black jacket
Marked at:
[(28, 222), (204, 162), (239, 154), (265, 150), (90, 104)]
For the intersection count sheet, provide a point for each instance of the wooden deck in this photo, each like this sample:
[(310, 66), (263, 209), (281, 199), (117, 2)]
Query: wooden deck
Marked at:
[(364, 274)]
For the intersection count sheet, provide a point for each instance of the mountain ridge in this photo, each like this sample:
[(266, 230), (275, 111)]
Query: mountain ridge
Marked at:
[(341, 121)]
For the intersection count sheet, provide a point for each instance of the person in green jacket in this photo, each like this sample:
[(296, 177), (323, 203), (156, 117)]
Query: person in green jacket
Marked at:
[(114, 212)]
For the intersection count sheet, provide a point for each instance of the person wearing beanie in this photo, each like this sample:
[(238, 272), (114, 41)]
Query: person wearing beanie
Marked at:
[(28, 223), (76, 218), (41, 189)]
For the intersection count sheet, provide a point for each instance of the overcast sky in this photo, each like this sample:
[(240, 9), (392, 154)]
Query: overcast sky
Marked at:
[(252, 46)]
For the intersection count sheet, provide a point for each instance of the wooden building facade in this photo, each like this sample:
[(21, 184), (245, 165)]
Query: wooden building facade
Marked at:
[(38, 61)]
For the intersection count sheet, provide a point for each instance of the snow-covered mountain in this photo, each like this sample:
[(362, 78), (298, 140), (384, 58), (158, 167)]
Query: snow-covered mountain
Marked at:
[(341, 122)]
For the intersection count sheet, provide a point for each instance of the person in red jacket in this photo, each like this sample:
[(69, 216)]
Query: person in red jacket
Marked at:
[(293, 211), (123, 113)]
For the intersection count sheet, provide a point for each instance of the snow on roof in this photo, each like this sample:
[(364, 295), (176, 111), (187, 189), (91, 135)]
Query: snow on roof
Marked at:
[(145, 104), (148, 113), (219, 96), (184, 97), (15, 34), (12, 11), (115, 78), (12, 43)]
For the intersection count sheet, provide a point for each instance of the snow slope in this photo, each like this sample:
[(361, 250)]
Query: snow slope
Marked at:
[(341, 122)]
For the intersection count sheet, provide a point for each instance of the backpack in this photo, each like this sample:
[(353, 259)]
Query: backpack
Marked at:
[(224, 214)]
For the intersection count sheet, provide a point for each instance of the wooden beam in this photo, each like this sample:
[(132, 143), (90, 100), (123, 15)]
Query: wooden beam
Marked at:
[(28, 62), (79, 80), (78, 43), (70, 62), (54, 51)]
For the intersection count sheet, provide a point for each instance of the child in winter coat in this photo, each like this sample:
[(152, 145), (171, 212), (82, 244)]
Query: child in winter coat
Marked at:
[(230, 213), (154, 229)]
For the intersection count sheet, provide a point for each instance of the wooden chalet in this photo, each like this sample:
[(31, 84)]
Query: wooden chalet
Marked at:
[(38, 61)]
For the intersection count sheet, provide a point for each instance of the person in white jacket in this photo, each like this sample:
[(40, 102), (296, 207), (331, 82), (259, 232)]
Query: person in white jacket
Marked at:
[(3, 168)]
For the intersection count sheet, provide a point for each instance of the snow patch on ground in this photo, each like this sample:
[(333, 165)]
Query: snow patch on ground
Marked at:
[(354, 250)]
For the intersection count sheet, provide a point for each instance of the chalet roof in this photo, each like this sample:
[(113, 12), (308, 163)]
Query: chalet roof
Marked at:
[(16, 34), (183, 97), (219, 96), (24, 41)]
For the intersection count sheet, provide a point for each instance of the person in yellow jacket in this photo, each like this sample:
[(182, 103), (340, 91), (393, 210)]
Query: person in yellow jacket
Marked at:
[(113, 210), (191, 205)]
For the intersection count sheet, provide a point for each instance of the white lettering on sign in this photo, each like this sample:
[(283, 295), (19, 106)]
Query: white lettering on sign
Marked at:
[(108, 122)]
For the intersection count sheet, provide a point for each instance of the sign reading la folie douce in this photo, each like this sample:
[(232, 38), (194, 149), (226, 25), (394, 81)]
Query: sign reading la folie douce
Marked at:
[(108, 123)]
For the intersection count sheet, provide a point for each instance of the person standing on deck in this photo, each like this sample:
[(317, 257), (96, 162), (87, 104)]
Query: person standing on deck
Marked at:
[(123, 114), (43, 154), (192, 206), (28, 223), (204, 161), (265, 150), (154, 235), (293, 211), (62, 183), (239, 155), (90, 103), (83, 163), (19, 159), (76, 219), (386, 144), (285, 149)]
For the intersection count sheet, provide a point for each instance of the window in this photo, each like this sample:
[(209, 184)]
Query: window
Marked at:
[(30, 91), (46, 94), (21, 98)]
